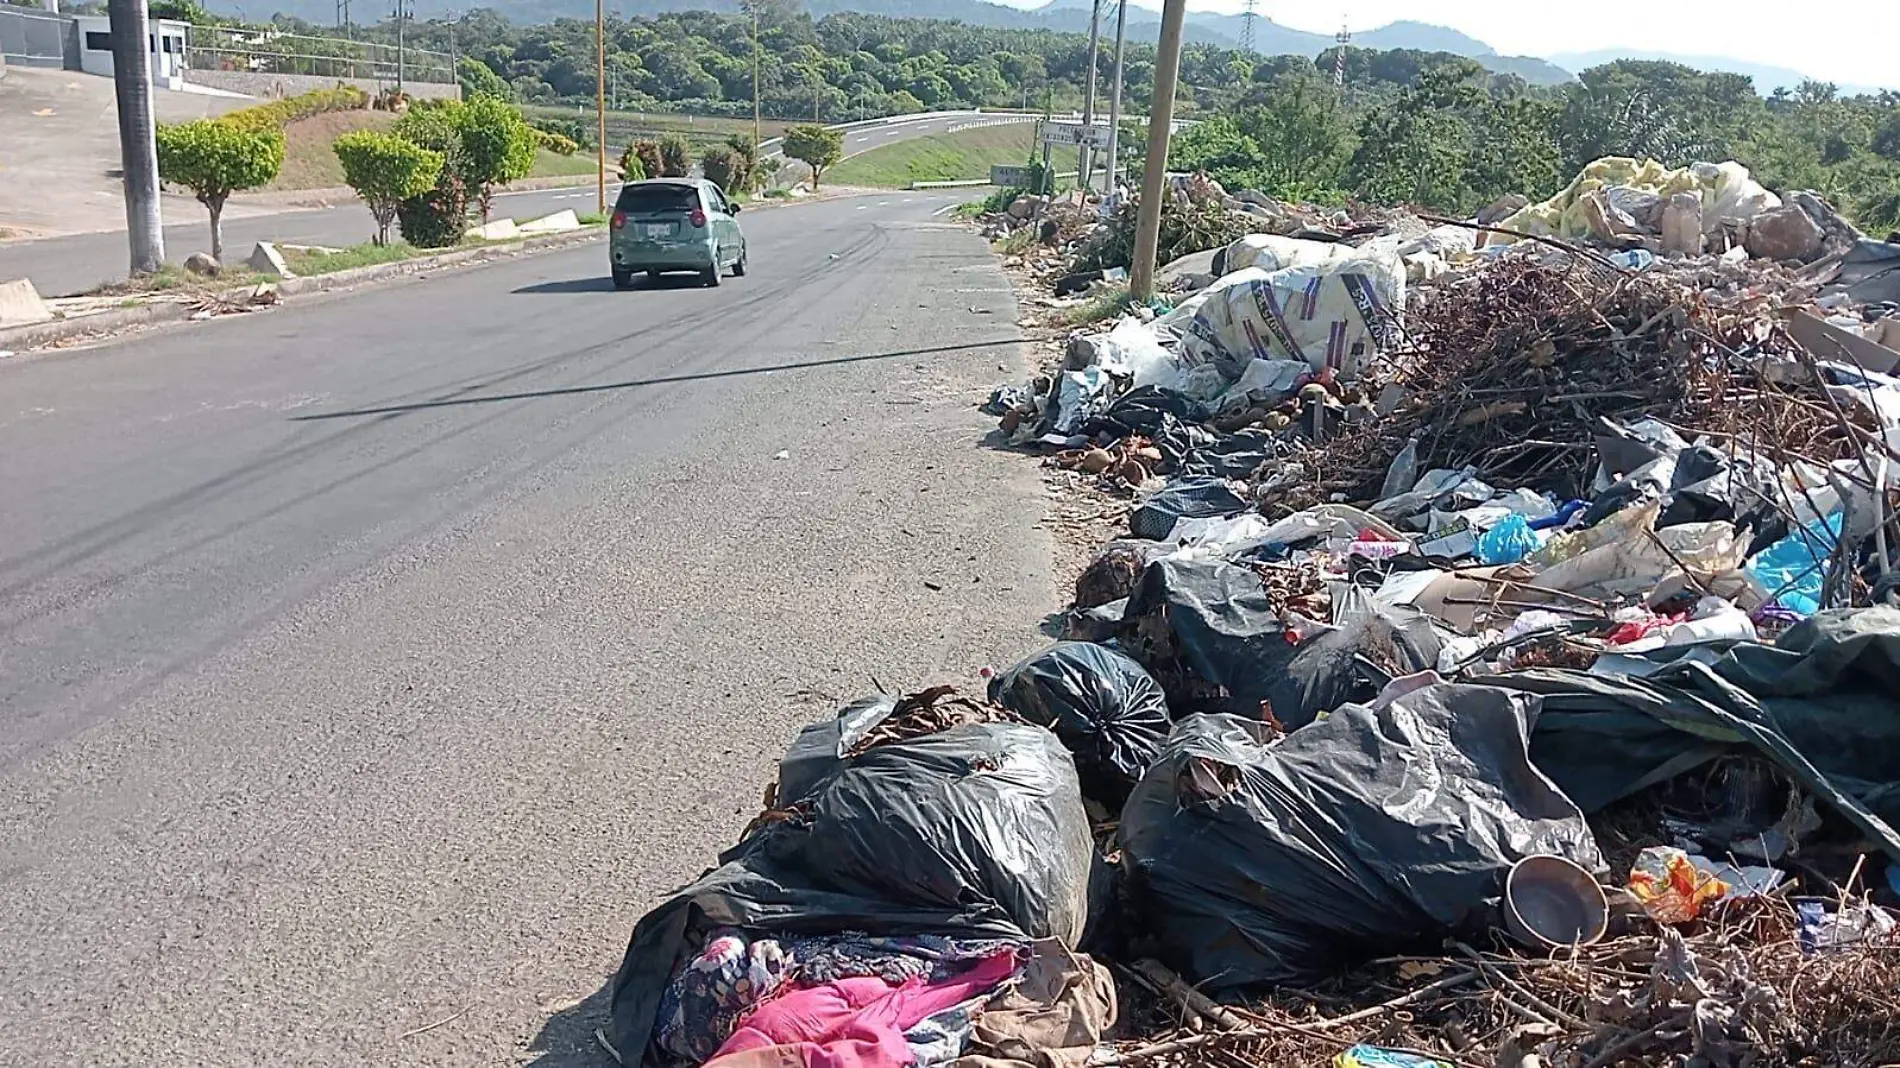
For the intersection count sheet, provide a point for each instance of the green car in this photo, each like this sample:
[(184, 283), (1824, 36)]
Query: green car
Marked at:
[(674, 224)]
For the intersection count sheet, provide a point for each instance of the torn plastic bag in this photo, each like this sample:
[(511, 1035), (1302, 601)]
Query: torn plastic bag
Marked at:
[(1238, 455), (1169, 419), (1870, 273), (1080, 396), (976, 831), (1819, 703), (1365, 834), (1206, 630), (1193, 497), (1108, 711), (1264, 382), (1131, 351)]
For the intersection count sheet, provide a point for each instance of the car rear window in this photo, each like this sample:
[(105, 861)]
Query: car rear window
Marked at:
[(649, 198)]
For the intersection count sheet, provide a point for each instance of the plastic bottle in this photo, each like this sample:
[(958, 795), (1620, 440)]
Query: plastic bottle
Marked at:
[(1511, 540), (1403, 474)]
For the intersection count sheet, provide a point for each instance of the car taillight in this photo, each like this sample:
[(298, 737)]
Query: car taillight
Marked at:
[(620, 219), (699, 218)]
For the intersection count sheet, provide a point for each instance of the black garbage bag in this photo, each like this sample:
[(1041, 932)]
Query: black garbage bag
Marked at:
[(1238, 455), (1365, 834), (1105, 708), (978, 831), (1170, 420), (1207, 632), (1195, 497), (1819, 703)]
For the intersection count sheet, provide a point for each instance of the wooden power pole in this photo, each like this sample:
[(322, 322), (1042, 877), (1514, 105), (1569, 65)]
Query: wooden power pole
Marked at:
[(600, 101), (1154, 178)]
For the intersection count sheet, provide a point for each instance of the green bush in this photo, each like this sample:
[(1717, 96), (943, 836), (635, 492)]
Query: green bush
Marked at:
[(816, 146), (559, 144), (386, 170), (747, 175), (631, 168), (279, 113), (1187, 225), (676, 157), (648, 153), (720, 168), (484, 142), (437, 218)]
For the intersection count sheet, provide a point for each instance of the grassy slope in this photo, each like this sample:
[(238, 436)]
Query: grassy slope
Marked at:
[(310, 164), (942, 157)]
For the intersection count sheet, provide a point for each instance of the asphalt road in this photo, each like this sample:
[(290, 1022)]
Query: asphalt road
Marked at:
[(63, 266), (376, 661)]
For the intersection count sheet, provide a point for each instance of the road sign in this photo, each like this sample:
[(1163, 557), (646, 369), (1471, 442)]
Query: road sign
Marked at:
[(1074, 133), (1008, 177)]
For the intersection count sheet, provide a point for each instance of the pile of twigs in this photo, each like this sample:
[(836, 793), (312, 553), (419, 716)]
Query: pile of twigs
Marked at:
[(1738, 989), (1512, 367)]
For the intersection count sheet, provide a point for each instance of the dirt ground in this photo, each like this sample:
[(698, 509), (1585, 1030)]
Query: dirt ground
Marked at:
[(59, 151)]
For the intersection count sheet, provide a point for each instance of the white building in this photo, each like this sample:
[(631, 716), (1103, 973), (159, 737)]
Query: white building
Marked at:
[(167, 42)]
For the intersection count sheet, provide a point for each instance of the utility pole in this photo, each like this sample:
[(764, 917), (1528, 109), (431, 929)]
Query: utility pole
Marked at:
[(400, 19), (1154, 178), (138, 137), (757, 136), (600, 101), (1115, 105), (1085, 155), (455, 77)]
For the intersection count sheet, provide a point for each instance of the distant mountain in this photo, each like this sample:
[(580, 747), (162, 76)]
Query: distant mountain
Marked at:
[(1767, 77), (1423, 37)]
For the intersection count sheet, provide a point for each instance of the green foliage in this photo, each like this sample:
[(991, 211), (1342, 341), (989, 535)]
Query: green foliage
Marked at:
[(1188, 224), (182, 11), (278, 113), (213, 159), (385, 170), (581, 133), (631, 168), (720, 167), (648, 153), (676, 157), (748, 173), (559, 144), (816, 147), (479, 79), (484, 142), (437, 218)]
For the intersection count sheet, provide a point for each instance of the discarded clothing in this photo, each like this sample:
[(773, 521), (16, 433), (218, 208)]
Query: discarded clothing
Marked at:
[(895, 960), (1053, 1016), (714, 990)]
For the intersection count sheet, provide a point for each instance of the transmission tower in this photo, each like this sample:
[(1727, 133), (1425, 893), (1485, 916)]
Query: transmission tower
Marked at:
[(343, 16), (1247, 17), (1344, 37)]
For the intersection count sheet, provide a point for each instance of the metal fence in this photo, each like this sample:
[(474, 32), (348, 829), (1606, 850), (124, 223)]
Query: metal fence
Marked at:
[(38, 38), (270, 52)]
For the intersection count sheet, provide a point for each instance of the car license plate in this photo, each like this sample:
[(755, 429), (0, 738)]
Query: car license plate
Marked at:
[(659, 229)]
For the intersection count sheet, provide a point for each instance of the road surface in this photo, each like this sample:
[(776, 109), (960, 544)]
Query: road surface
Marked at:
[(376, 661), (63, 266)]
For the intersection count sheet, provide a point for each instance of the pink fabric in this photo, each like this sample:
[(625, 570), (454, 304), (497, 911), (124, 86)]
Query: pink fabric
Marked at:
[(858, 1023)]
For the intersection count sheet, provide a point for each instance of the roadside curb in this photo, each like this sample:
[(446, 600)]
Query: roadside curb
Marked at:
[(42, 335)]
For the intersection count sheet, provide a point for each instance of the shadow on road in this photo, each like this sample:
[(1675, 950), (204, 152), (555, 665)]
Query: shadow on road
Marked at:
[(605, 284), (567, 1038), (636, 383)]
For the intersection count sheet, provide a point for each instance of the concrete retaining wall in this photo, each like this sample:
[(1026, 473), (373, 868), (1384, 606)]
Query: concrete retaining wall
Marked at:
[(255, 83)]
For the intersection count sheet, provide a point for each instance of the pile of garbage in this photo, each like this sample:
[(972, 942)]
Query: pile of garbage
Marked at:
[(1496, 669)]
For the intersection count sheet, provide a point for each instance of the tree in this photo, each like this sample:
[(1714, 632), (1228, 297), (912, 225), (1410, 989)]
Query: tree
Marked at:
[(479, 79), (676, 157), (386, 170), (214, 159), (748, 174), (816, 147), (484, 142)]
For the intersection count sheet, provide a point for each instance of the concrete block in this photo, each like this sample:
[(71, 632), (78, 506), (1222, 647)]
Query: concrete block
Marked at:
[(557, 223), (266, 259), (20, 304), (499, 230)]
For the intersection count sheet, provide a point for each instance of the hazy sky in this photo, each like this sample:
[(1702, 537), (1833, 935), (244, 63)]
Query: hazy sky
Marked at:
[(1851, 41)]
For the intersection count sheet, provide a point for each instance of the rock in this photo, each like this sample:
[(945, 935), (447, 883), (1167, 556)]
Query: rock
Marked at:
[(498, 230), (20, 304), (557, 223), (1022, 207), (266, 259), (1784, 233), (1682, 224), (203, 265)]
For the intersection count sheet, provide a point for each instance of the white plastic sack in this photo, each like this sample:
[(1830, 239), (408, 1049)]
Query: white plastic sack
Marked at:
[(1262, 381), (1271, 252), (1338, 315)]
